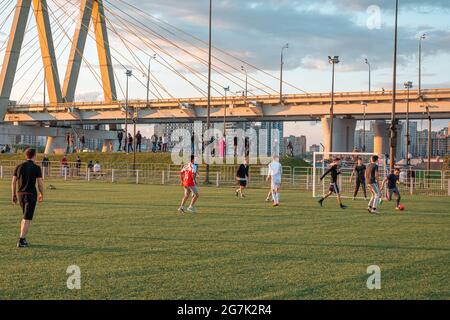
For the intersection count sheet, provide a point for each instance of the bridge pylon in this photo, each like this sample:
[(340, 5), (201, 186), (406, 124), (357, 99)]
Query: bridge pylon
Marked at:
[(90, 11)]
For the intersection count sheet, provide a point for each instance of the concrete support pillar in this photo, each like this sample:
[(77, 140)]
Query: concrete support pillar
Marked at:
[(381, 137), (343, 134), (108, 145), (56, 145)]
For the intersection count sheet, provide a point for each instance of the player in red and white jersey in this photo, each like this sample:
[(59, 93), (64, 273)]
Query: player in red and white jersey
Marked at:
[(188, 177)]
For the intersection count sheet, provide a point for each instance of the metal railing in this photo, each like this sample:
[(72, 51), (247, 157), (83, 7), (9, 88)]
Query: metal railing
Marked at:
[(417, 182)]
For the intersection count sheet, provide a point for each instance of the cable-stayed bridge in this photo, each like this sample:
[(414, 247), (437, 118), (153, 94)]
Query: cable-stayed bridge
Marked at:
[(123, 37)]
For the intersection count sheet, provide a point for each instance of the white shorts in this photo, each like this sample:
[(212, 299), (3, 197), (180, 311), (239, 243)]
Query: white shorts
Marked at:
[(276, 184)]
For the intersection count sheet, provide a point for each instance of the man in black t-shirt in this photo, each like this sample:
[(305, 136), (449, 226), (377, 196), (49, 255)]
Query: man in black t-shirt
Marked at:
[(359, 171), (392, 180), (334, 172), (242, 176), (24, 191)]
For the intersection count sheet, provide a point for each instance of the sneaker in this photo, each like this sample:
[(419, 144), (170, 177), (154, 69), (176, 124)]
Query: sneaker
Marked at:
[(267, 199), (181, 210), (242, 196), (374, 211), (237, 194), (276, 205), (22, 243), (321, 202), (191, 210), (343, 207), (354, 198)]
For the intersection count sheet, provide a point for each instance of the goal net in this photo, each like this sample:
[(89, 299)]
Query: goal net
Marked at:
[(323, 160)]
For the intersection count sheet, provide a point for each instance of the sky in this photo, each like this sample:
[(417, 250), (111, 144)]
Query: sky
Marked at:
[(256, 30)]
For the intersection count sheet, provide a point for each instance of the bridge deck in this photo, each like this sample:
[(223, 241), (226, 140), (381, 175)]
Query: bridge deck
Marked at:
[(301, 107)]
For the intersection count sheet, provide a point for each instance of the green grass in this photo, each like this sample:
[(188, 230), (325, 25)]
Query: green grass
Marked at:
[(130, 244)]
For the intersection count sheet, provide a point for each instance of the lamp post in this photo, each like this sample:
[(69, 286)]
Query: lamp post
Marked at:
[(430, 120), (208, 117), (246, 83), (370, 75), (128, 73), (364, 104), (408, 86), (153, 57), (333, 61), (226, 89), (135, 117), (422, 37), (393, 129), (286, 46)]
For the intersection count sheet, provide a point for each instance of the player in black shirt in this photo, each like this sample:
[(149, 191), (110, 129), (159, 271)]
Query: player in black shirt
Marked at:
[(334, 188), (242, 176), (392, 180), (24, 191), (360, 172), (372, 180)]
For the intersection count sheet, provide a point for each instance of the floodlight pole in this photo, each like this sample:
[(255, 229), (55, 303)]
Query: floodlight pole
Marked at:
[(393, 129), (286, 46), (208, 118), (128, 73), (408, 86)]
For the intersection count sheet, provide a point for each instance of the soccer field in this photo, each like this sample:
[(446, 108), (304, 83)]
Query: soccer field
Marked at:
[(130, 243)]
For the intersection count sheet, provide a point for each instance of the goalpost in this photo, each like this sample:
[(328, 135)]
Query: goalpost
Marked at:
[(322, 161)]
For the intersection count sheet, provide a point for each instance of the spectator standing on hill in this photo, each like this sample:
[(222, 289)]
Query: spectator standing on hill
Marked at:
[(154, 140), (130, 143), (160, 143), (164, 143), (138, 141), (90, 166), (120, 138), (82, 142), (45, 165)]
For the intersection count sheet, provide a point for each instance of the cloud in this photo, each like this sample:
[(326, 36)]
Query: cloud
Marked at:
[(256, 30)]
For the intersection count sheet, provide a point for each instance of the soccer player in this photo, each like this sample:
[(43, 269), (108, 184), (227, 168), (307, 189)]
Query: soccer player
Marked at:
[(392, 180), (242, 177), (24, 192), (360, 172), (188, 177), (334, 188), (274, 174), (372, 179)]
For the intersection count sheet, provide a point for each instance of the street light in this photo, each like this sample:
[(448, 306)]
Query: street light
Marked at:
[(226, 89), (286, 46), (393, 129), (427, 109), (128, 73), (208, 117), (364, 104), (153, 57), (333, 61), (370, 76), (408, 86), (246, 83), (422, 37)]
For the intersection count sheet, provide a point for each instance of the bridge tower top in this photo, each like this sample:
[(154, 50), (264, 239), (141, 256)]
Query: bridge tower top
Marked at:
[(90, 10)]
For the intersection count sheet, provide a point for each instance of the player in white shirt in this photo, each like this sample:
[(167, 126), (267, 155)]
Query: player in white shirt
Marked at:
[(274, 174)]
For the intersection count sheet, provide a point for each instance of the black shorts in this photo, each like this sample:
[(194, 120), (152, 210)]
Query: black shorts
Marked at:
[(334, 188), (393, 191), (28, 205), (243, 183)]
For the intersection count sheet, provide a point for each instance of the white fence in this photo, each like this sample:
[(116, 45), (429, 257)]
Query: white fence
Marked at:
[(437, 183)]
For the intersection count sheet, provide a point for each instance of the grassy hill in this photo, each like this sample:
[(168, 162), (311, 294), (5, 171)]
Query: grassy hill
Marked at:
[(142, 158)]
